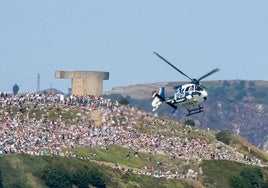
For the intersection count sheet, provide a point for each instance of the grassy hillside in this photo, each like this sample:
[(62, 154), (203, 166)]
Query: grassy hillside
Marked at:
[(105, 144), (112, 168), (28, 171)]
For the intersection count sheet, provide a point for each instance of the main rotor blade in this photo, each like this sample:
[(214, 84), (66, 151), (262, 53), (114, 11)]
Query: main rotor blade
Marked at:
[(211, 72), (172, 66)]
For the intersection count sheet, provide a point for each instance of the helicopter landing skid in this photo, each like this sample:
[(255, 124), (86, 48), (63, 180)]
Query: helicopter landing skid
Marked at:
[(195, 110)]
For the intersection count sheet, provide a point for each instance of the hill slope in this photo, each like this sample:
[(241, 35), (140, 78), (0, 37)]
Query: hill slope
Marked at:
[(237, 105), (87, 140)]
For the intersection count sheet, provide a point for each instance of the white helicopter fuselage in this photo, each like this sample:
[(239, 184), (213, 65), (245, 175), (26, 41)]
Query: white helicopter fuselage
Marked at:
[(187, 96)]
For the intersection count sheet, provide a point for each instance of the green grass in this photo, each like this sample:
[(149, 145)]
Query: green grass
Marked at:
[(118, 155), (20, 170), (26, 171), (243, 147), (218, 172)]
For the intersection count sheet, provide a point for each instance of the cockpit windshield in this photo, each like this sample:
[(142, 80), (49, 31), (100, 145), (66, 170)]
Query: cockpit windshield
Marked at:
[(199, 88), (190, 88)]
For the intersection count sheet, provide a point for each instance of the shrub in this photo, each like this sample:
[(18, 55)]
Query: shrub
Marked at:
[(57, 175), (97, 180), (224, 136), (63, 173), (189, 122), (85, 175), (123, 101), (80, 177), (249, 176), (252, 175), (237, 182), (1, 179)]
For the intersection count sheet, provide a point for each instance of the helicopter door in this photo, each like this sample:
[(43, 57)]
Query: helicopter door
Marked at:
[(180, 93), (190, 91)]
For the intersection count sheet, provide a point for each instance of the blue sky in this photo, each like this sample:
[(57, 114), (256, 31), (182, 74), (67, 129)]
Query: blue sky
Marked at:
[(120, 36)]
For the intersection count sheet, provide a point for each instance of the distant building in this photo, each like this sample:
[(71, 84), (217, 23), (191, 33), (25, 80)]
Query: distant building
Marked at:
[(85, 82)]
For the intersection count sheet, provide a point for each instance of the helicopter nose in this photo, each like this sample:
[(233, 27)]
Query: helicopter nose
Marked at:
[(205, 95)]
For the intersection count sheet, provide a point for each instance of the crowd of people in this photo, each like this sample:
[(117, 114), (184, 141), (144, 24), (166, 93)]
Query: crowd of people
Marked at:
[(99, 122)]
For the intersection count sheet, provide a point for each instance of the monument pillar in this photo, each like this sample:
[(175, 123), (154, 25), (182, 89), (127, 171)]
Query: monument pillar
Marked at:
[(85, 82)]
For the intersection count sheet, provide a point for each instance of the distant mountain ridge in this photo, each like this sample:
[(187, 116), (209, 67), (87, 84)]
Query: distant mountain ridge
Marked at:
[(237, 105)]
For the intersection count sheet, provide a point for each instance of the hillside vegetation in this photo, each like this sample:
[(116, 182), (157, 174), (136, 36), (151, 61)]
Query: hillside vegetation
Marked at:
[(77, 142)]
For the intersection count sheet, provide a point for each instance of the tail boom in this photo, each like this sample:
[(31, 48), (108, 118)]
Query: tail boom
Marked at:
[(159, 99)]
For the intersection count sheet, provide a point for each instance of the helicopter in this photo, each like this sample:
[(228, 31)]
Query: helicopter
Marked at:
[(189, 96)]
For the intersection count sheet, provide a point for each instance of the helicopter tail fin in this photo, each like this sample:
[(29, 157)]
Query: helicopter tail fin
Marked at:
[(158, 98)]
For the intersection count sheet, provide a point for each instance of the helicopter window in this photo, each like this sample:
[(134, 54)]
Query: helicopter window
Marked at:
[(199, 88), (191, 88)]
